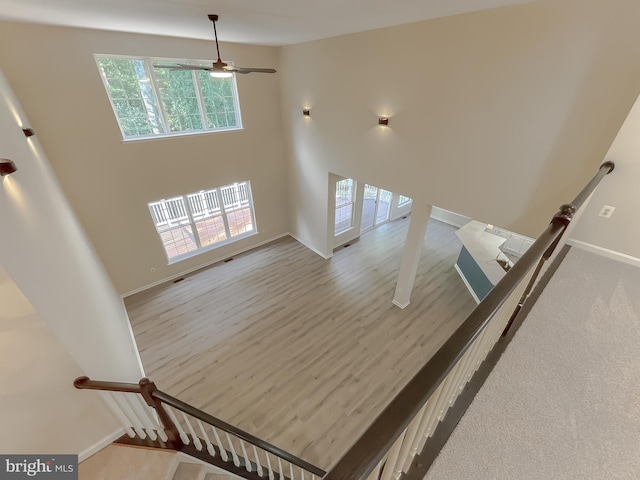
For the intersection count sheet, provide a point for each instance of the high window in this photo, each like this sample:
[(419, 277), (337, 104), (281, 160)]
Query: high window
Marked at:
[(203, 220), (156, 102), (344, 205)]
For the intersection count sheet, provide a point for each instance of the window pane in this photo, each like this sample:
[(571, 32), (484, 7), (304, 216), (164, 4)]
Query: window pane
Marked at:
[(174, 227), (198, 221), (131, 94), (211, 231), (178, 241), (344, 205), (219, 103), (403, 200), (179, 99), (206, 212), (384, 206)]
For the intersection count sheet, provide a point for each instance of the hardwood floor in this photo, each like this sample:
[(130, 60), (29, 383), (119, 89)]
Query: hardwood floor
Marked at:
[(301, 351)]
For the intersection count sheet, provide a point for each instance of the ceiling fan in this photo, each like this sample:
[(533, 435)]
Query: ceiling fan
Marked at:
[(219, 68)]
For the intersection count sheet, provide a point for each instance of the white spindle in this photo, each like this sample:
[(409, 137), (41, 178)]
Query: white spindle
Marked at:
[(183, 435), (408, 441), (291, 474), (247, 460), (121, 400), (205, 437), (392, 458), (258, 462), (236, 460), (143, 414), (271, 475), (280, 468), (115, 407), (196, 441), (375, 473), (429, 413), (221, 448)]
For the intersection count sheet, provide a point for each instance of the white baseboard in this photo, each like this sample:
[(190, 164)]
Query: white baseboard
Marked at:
[(206, 264), (464, 279), (451, 218), (605, 252), (401, 305), (105, 442), (323, 255)]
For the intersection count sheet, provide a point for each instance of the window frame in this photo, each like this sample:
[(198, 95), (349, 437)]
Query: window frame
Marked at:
[(192, 223), (149, 63), (351, 203)]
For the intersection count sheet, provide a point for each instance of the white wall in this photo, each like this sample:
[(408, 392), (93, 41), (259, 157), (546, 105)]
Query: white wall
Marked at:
[(47, 255), (620, 189), (40, 410), (500, 115), (109, 182)]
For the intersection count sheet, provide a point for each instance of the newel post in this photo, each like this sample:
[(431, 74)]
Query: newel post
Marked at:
[(147, 387)]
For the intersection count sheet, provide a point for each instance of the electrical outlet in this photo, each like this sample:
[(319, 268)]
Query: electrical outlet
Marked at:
[(606, 211)]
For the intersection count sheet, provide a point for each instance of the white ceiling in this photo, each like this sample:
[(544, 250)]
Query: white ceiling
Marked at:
[(266, 22)]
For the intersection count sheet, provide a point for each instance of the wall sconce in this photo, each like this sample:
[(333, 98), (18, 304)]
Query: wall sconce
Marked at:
[(28, 132), (306, 112), (7, 167), (383, 121)]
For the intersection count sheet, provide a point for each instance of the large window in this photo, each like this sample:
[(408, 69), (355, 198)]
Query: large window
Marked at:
[(344, 205), (203, 220), (151, 102)]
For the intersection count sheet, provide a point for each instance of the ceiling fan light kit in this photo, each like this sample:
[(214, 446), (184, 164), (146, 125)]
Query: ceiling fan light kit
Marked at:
[(218, 69)]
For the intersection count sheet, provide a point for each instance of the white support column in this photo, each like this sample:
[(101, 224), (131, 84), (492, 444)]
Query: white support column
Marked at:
[(411, 254)]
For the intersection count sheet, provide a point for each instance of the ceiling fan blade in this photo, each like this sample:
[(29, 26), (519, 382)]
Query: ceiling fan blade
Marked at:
[(231, 68)]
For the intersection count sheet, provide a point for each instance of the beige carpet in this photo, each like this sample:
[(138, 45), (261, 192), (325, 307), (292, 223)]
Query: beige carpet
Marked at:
[(564, 401)]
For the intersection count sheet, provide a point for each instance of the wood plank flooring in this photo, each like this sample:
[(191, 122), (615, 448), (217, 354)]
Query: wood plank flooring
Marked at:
[(301, 351)]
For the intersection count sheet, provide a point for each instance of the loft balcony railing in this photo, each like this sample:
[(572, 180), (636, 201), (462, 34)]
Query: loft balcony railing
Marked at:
[(389, 446)]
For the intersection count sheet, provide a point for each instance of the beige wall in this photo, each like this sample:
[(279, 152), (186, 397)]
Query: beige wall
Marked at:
[(40, 411), (108, 182), (500, 115), (620, 189)]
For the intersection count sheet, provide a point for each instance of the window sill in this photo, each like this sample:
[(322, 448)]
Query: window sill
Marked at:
[(178, 134), (195, 253)]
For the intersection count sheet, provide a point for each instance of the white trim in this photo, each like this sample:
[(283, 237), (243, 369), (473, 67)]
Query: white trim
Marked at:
[(401, 305), (96, 447), (206, 264), (323, 255), (448, 217), (464, 279), (605, 252)]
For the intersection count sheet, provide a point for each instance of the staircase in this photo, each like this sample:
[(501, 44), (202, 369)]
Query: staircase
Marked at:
[(187, 468), (138, 463)]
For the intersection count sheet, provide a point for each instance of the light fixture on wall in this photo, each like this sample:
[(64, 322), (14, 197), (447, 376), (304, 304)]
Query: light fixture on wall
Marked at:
[(383, 121), (306, 112), (28, 132), (7, 167)]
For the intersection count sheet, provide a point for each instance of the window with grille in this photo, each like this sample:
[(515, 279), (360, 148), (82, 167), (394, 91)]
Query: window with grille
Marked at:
[(344, 205), (402, 201), (203, 220), (158, 102)]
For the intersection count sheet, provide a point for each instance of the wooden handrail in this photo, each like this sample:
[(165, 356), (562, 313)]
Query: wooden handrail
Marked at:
[(85, 383), (156, 399), (366, 453), (376, 441), (216, 422), (605, 169)]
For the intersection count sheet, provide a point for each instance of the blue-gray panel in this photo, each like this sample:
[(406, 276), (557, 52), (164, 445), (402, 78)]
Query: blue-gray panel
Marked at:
[(476, 277)]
